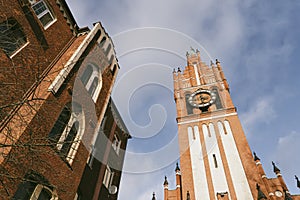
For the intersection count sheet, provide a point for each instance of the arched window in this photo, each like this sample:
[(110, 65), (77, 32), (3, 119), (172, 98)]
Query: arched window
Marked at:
[(218, 100), (12, 37), (92, 80), (86, 75), (67, 131), (189, 108), (108, 49), (102, 42), (35, 187)]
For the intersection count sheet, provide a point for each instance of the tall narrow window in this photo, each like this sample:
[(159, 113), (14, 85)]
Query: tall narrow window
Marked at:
[(189, 108), (108, 177), (12, 37), (67, 131), (36, 187), (43, 13), (218, 100), (215, 161), (108, 49), (93, 86), (86, 75), (116, 144), (92, 80)]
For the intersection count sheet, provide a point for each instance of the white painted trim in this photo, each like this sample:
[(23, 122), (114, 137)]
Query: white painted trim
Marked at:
[(271, 194), (198, 167), (258, 163), (264, 176), (217, 174), (60, 78), (207, 118), (238, 176), (197, 75), (20, 49)]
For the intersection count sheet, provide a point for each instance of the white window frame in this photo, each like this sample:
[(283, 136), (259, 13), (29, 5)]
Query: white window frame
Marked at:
[(39, 16), (95, 74), (108, 177), (37, 191), (116, 144), (74, 147)]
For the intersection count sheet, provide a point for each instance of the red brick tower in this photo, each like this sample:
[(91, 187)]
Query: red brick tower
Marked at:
[(216, 160)]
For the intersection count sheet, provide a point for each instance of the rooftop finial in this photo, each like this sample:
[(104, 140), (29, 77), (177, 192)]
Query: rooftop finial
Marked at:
[(177, 167), (255, 157), (275, 168), (298, 182), (174, 71), (178, 69), (217, 61), (166, 181), (153, 198)]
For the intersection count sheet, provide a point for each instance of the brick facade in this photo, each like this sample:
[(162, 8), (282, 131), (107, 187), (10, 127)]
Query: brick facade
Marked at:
[(40, 83)]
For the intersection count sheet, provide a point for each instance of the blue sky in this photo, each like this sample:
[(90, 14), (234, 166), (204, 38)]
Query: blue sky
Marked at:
[(258, 45)]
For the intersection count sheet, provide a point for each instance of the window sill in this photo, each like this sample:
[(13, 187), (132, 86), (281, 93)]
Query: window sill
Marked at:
[(48, 25), (20, 49)]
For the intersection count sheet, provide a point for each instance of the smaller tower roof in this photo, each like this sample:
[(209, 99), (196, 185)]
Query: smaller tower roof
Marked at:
[(153, 198), (275, 168), (255, 157), (166, 181), (177, 167), (298, 182)]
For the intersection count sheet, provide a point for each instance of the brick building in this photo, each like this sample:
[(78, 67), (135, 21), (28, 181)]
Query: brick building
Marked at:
[(55, 86), (215, 158)]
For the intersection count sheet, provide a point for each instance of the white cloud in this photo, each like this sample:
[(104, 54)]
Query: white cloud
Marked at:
[(261, 112), (287, 155)]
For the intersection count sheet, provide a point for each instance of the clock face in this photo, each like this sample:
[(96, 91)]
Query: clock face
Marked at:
[(202, 98), (278, 193)]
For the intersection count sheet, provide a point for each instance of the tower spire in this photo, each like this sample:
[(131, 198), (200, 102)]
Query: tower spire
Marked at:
[(153, 197), (275, 168), (255, 157), (166, 182), (298, 182)]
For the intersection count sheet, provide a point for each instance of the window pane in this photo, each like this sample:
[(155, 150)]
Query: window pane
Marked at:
[(39, 7), (70, 139), (93, 87), (24, 191), (46, 19), (12, 36), (60, 124), (86, 75), (45, 195)]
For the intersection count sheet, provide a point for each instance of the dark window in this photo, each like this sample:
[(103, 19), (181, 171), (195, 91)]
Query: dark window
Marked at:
[(189, 108), (215, 161), (70, 139), (93, 86), (102, 42), (67, 126), (60, 124), (12, 36), (86, 75), (34, 185), (218, 100), (108, 49)]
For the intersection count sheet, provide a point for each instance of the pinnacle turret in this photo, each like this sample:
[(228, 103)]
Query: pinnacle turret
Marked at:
[(177, 168), (166, 181), (153, 198), (275, 168), (255, 157), (298, 182)]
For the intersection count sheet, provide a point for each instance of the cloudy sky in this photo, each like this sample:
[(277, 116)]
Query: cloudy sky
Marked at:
[(258, 45)]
